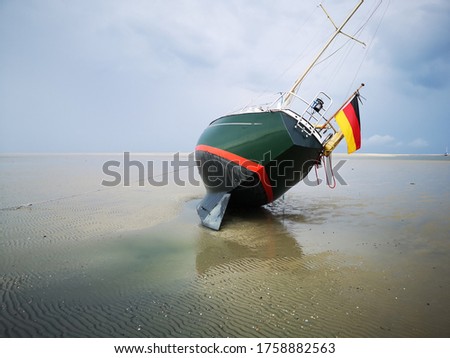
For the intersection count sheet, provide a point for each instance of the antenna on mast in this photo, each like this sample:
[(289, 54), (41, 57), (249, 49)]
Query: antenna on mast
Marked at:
[(338, 30)]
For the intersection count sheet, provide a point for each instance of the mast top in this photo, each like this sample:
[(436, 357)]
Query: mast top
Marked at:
[(291, 93)]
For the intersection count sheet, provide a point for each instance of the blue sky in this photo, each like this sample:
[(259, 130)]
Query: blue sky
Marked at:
[(148, 76)]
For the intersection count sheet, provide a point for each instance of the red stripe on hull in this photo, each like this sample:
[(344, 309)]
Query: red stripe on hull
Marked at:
[(246, 163)]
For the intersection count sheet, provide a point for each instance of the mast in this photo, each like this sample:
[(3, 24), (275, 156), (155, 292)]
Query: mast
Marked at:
[(294, 88)]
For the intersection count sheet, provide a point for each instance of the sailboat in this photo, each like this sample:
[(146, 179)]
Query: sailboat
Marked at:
[(252, 157)]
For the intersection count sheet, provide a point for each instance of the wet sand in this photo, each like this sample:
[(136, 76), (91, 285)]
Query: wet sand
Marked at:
[(367, 259)]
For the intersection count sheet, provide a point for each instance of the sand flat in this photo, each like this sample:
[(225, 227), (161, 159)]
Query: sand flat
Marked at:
[(367, 259)]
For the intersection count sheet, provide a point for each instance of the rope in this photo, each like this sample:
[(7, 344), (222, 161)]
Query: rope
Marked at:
[(331, 180), (331, 184)]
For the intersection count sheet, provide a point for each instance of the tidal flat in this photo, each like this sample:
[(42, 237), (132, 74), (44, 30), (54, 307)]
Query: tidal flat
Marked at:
[(370, 258)]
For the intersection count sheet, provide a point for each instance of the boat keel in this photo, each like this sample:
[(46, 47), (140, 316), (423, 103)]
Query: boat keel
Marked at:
[(212, 209)]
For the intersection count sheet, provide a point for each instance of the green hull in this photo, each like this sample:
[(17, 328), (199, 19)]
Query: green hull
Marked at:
[(256, 157), (250, 135)]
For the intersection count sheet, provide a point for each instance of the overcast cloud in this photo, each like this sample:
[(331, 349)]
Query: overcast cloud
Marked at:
[(148, 76)]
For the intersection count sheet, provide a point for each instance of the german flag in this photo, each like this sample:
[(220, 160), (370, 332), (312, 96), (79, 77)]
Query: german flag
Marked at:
[(348, 120)]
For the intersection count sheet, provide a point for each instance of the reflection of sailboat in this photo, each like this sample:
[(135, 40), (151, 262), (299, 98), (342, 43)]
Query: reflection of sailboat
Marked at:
[(253, 157), (253, 235)]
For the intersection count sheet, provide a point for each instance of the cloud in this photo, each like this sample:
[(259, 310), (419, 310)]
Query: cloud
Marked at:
[(418, 143), (386, 140), (122, 75), (413, 45), (377, 139)]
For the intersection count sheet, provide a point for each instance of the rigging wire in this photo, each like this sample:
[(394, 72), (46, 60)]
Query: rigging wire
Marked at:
[(343, 59), (287, 41), (305, 48), (371, 41), (339, 64), (356, 33), (365, 22), (350, 48)]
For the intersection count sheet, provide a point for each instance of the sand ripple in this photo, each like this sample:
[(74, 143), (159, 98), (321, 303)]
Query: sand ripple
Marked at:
[(119, 263), (279, 297)]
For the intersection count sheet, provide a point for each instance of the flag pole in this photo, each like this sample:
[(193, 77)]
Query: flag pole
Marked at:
[(340, 108)]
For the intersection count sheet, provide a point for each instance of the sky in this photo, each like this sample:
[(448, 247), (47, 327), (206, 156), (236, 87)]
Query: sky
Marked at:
[(150, 75)]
